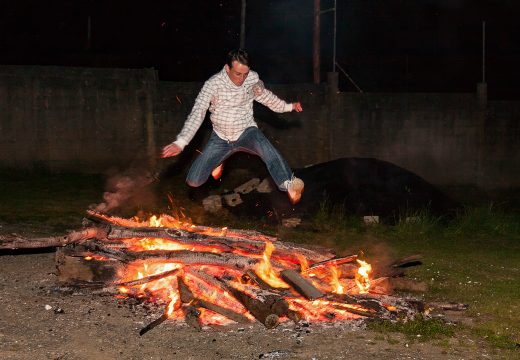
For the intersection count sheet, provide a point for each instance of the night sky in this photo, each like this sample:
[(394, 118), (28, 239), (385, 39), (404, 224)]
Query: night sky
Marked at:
[(385, 45)]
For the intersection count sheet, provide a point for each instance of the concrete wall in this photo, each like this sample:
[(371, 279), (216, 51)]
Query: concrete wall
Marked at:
[(73, 118), (91, 119)]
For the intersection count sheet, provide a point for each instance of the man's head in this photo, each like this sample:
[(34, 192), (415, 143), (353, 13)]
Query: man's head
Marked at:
[(237, 66)]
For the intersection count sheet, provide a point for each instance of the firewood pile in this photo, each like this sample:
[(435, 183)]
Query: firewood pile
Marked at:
[(206, 275)]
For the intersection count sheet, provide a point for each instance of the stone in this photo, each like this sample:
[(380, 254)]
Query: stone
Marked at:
[(212, 203)]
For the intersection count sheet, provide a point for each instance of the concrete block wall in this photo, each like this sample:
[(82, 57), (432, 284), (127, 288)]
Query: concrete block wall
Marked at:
[(74, 119), (89, 120)]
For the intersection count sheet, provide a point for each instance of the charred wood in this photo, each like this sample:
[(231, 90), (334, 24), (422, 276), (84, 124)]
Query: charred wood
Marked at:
[(76, 270), (192, 316), (153, 324), (450, 306), (412, 260), (301, 285)]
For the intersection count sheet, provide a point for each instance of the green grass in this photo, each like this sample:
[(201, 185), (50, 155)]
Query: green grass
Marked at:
[(473, 258), (58, 201), (420, 329)]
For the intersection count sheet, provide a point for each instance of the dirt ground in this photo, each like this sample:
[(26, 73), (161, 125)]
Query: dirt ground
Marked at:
[(38, 322)]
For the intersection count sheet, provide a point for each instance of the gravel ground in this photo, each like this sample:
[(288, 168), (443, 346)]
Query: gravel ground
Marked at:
[(39, 322)]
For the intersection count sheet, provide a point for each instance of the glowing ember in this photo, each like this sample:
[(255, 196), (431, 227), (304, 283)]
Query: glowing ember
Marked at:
[(362, 276)]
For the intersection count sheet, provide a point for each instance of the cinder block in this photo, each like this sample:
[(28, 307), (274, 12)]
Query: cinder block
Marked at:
[(264, 187), (232, 199), (212, 203), (248, 186), (371, 219)]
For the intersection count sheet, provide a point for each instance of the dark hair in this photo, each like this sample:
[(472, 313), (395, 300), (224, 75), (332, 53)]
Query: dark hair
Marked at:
[(239, 55)]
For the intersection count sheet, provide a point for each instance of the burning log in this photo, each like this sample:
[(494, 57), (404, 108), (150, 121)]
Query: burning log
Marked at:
[(230, 314), (196, 258), (222, 243), (331, 262), (366, 302), (230, 238), (353, 310), (301, 285), (251, 276), (267, 308), (188, 298), (148, 279)]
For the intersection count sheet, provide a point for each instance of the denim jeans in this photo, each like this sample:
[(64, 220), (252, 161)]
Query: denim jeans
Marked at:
[(251, 141)]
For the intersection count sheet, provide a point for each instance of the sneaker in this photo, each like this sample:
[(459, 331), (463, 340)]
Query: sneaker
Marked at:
[(217, 172), (295, 189)]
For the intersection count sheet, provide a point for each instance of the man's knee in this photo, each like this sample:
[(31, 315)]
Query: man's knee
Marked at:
[(194, 182)]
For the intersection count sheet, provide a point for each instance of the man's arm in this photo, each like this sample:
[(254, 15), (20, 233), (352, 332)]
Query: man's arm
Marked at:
[(193, 122), (273, 102)]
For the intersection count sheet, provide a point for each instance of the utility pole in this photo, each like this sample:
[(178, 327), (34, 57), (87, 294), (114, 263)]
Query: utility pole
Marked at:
[(482, 87), (88, 44), (316, 43), (243, 25)]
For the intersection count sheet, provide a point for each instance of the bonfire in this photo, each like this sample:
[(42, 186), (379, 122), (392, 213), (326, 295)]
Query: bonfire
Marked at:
[(219, 276)]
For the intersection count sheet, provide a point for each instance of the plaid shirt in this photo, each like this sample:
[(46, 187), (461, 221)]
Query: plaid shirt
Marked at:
[(231, 107)]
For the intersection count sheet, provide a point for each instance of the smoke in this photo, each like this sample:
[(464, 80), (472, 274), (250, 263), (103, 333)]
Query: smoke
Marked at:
[(125, 190)]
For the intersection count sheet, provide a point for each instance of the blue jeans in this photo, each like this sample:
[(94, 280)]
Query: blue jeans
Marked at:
[(251, 141)]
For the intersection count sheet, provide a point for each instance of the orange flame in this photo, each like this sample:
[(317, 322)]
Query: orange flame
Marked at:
[(265, 270), (336, 285), (304, 264), (174, 304), (362, 276)]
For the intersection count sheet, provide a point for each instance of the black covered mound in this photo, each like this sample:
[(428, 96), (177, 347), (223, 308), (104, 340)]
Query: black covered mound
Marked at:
[(362, 186)]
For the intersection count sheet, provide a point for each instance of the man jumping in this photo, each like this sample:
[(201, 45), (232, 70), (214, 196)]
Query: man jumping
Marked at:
[(229, 97)]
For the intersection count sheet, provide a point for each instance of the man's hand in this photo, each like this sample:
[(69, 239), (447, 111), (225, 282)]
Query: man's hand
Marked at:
[(171, 150), (297, 107), (258, 88)]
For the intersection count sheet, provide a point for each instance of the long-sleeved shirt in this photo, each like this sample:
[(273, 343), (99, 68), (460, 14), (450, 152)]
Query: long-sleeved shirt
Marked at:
[(231, 107)]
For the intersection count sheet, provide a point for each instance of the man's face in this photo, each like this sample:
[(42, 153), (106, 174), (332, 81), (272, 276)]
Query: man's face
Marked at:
[(237, 72)]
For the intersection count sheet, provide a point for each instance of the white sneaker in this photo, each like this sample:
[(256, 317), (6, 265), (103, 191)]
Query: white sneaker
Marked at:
[(294, 189)]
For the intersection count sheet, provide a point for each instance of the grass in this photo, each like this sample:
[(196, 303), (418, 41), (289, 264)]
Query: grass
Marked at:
[(56, 200), (473, 258), (420, 329)]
